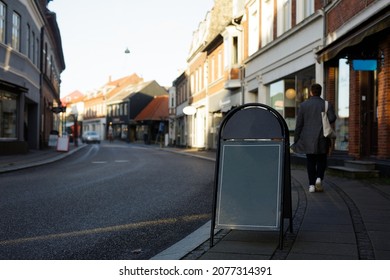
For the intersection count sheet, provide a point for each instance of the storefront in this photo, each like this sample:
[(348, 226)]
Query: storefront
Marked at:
[(219, 105), (281, 72), (8, 112), (18, 120), (288, 93), (357, 81)]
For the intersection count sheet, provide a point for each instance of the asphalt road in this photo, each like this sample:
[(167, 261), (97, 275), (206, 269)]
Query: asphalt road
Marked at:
[(107, 201)]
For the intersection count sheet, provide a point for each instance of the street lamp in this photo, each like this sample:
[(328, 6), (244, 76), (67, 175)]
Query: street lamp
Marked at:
[(127, 51)]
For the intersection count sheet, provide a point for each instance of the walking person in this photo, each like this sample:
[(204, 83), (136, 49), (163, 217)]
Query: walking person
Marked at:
[(110, 133), (309, 138)]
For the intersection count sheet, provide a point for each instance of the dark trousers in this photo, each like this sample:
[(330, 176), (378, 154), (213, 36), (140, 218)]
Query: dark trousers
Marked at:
[(316, 165)]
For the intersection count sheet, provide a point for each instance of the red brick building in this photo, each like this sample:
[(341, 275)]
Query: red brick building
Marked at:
[(358, 31)]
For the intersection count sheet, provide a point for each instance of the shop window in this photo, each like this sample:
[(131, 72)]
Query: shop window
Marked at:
[(282, 97), (276, 96), (287, 94), (342, 106), (8, 117)]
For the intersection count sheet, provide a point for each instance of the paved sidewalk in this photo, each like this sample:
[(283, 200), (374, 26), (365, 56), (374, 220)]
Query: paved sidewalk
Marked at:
[(350, 220), (33, 158)]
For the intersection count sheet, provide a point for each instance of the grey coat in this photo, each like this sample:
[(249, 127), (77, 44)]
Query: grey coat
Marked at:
[(308, 138)]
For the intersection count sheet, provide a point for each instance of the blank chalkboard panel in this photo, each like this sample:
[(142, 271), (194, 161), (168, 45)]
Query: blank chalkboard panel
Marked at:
[(250, 184)]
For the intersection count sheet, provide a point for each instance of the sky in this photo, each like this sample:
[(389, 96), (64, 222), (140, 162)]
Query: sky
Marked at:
[(95, 35)]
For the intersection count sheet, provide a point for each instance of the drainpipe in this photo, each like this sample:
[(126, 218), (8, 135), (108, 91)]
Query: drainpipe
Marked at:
[(242, 74), (242, 68)]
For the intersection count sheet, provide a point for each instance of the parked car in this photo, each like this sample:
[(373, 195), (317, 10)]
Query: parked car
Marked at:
[(91, 137)]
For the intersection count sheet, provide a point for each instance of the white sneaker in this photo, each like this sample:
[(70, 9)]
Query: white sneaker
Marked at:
[(312, 189), (318, 186)]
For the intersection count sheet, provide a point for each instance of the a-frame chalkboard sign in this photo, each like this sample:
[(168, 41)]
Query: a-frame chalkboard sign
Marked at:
[(252, 184)]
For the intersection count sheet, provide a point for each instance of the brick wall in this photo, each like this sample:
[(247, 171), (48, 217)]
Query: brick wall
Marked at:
[(344, 11), (384, 101), (354, 115), (330, 85)]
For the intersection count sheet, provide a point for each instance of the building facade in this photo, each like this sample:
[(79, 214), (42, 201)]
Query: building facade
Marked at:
[(124, 106), (178, 123), (356, 63), (95, 103), (52, 64), (281, 40), (152, 122), (31, 61), (207, 81), (271, 51)]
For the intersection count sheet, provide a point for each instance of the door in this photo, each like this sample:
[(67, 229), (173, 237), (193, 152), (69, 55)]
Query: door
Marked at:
[(369, 120)]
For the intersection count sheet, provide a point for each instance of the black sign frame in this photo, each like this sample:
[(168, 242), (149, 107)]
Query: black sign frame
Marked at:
[(250, 136)]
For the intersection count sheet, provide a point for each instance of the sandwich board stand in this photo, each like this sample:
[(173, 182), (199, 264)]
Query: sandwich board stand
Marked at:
[(252, 184), (63, 144)]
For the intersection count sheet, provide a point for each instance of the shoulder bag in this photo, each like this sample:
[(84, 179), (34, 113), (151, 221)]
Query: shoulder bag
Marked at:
[(327, 128)]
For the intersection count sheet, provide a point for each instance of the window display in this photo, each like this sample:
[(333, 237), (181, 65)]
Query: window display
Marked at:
[(8, 102)]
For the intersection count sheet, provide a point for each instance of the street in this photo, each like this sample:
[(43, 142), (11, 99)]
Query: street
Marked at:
[(107, 201)]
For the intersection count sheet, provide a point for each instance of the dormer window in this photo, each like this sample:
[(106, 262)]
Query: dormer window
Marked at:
[(232, 38)]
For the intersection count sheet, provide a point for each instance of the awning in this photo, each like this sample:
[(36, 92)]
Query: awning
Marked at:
[(354, 37), (12, 87)]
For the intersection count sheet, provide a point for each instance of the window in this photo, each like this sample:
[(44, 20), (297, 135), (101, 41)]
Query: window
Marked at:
[(253, 28), (284, 16), (220, 66), (197, 80), (8, 117), (2, 22), (231, 46), (192, 84), (45, 59), (33, 48), (126, 109), (277, 97), (205, 75), (16, 31), (28, 43), (342, 106), (235, 50), (267, 22), (36, 50), (287, 94), (304, 9), (201, 86), (212, 69)]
